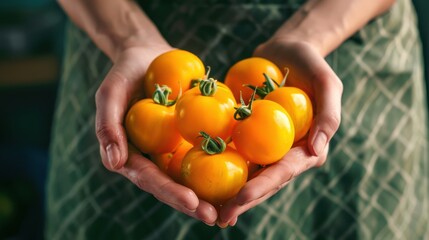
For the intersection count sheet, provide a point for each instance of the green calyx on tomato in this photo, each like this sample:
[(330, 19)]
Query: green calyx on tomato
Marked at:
[(196, 82), (269, 85), (244, 111), (197, 110), (161, 94), (208, 87), (212, 146), (296, 102), (214, 178)]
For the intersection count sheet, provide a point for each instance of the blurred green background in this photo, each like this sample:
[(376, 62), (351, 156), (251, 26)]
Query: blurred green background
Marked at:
[(31, 45)]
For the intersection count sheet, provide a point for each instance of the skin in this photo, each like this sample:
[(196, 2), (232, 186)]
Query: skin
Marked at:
[(125, 34)]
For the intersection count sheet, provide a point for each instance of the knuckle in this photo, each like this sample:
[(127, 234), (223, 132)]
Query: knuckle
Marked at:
[(140, 183), (335, 120), (143, 180), (292, 173), (139, 179), (104, 132), (329, 80), (332, 122)]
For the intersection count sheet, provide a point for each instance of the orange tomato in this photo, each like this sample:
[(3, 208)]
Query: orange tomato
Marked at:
[(171, 163), (176, 69), (251, 167), (294, 100), (266, 134), (214, 177), (297, 103), (199, 111), (250, 71), (151, 126)]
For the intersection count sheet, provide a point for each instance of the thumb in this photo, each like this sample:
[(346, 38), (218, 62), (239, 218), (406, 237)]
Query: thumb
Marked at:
[(328, 111), (111, 102)]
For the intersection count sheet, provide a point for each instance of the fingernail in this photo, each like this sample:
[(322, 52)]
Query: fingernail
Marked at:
[(209, 224), (113, 155), (191, 210), (233, 222), (319, 143), (222, 224)]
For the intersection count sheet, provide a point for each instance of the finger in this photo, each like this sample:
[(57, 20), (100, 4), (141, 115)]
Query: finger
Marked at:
[(111, 102), (269, 181), (233, 221), (148, 177), (231, 210), (327, 118), (204, 212), (296, 161)]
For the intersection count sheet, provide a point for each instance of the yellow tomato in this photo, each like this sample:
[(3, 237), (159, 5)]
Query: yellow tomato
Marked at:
[(176, 69), (297, 103), (214, 177), (250, 71), (252, 168), (171, 163), (214, 114), (151, 126), (266, 135)]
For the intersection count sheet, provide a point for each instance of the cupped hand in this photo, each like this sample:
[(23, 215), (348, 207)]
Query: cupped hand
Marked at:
[(309, 71), (269, 181), (121, 87)]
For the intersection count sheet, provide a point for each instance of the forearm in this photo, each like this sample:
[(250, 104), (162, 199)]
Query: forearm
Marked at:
[(327, 23), (113, 25)]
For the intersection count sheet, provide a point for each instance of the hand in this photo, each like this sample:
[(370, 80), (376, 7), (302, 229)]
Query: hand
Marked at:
[(310, 72), (121, 87), (268, 182)]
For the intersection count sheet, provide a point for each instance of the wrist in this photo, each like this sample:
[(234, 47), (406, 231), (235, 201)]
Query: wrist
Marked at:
[(114, 26), (304, 37), (323, 41), (151, 43)]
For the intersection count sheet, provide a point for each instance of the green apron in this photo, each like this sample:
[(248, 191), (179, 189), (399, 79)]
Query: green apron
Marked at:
[(374, 184)]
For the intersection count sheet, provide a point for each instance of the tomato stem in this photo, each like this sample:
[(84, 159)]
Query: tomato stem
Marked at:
[(283, 83), (244, 111), (212, 146), (196, 82), (269, 86), (208, 87), (160, 96)]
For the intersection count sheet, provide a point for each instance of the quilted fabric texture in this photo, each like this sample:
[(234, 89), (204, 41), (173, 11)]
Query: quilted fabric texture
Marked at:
[(373, 186)]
